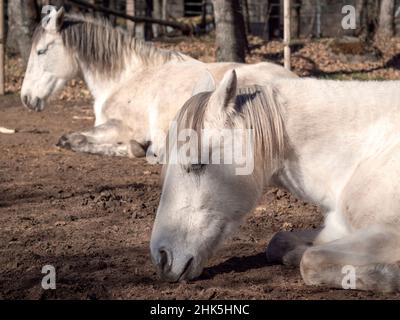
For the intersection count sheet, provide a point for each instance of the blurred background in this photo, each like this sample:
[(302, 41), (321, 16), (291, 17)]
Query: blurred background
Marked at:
[(237, 30)]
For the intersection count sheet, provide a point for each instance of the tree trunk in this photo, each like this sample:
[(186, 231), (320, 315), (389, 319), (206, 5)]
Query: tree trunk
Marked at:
[(110, 4), (231, 41), (309, 8), (386, 19), (130, 11), (23, 16), (245, 6), (295, 21), (158, 14), (361, 11), (148, 29), (164, 9), (113, 6), (367, 11)]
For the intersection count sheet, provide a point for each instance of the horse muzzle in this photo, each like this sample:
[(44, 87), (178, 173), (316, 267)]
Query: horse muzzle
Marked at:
[(173, 269), (35, 104)]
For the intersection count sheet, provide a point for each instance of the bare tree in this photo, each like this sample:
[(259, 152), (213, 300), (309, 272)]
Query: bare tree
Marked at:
[(159, 12), (367, 11), (386, 19), (23, 16), (361, 10), (158, 8), (295, 23), (110, 4), (148, 29), (245, 5), (113, 6), (164, 9), (231, 38), (130, 10), (308, 26)]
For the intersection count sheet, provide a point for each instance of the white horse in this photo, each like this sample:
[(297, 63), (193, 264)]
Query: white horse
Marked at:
[(336, 144), (137, 88)]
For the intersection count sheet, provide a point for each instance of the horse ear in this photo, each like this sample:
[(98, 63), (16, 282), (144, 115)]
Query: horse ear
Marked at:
[(60, 18), (224, 96), (54, 20), (205, 84)]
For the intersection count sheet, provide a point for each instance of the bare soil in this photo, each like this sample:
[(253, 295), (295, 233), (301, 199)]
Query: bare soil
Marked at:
[(91, 217)]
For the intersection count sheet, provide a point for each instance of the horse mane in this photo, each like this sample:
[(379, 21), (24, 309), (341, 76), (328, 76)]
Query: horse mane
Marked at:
[(103, 47), (257, 108)]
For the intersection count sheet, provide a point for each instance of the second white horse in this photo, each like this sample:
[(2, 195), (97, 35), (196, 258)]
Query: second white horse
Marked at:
[(137, 88)]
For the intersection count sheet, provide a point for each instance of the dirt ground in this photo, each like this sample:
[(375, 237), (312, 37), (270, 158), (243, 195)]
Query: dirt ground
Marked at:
[(91, 218)]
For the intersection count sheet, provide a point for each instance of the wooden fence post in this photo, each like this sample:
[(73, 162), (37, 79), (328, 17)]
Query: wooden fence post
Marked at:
[(286, 33), (2, 48)]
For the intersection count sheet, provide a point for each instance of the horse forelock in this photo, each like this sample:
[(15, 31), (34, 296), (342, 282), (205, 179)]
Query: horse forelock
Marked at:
[(192, 114), (257, 108), (104, 48), (262, 110)]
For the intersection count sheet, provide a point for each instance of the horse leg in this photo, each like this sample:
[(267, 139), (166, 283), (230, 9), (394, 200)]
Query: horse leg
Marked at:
[(288, 247), (115, 150), (110, 138), (364, 233), (366, 259)]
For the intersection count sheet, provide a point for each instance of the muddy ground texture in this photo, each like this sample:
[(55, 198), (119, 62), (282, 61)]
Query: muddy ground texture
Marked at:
[(91, 218)]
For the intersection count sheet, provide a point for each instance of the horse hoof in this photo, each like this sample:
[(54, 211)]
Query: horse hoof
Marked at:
[(286, 248), (63, 143), (278, 247), (71, 141)]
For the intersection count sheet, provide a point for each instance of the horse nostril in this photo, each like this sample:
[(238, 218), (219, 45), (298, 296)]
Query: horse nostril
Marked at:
[(164, 261)]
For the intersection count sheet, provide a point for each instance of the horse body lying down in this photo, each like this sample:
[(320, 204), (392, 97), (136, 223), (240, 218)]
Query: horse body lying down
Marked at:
[(336, 144), (137, 88)]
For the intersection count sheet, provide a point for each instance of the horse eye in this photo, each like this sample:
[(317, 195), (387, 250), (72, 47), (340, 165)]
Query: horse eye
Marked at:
[(40, 52)]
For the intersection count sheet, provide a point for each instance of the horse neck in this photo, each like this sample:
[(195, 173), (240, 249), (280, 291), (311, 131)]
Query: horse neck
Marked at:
[(100, 83), (333, 127)]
